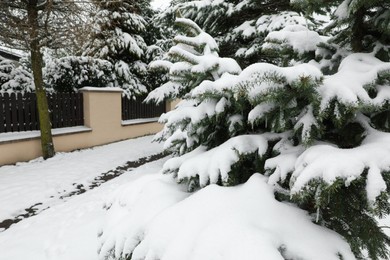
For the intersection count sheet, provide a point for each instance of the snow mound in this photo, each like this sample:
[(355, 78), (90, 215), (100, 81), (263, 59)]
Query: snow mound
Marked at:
[(216, 223), (131, 208)]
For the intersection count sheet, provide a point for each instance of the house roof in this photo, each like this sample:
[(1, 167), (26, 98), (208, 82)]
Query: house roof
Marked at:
[(10, 54)]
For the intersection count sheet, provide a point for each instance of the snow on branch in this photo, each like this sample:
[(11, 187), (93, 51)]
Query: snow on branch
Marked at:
[(191, 27), (191, 61), (350, 85), (215, 165), (329, 164)]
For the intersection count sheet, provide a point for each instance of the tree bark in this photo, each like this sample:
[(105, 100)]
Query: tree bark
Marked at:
[(36, 62), (358, 31)]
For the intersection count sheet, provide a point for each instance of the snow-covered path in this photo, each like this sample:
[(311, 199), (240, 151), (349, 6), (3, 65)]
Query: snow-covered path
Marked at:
[(67, 231), (26, 184)]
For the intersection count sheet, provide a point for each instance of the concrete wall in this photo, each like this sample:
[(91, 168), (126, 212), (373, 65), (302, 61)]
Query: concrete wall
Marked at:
[(102, 125)]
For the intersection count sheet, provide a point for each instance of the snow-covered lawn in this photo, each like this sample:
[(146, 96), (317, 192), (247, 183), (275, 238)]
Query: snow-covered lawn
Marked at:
[(26, 184), (149, 214), (68, 231)]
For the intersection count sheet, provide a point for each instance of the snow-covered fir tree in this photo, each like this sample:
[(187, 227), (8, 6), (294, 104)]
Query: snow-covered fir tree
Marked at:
[(239, 27), (14, 78), (361, 25), (314, 122), (120, 37), (291, 123), (356, 25), (193, 60)]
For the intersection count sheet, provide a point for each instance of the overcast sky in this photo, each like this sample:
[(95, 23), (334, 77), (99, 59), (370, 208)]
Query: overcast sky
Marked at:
[(160, 4)]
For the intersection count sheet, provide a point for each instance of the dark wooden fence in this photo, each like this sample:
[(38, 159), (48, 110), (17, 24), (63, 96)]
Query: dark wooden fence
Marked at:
[(19, 112), (135, 109), (66, 109)]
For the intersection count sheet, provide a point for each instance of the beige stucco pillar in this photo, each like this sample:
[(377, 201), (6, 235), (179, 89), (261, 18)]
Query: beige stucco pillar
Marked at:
[(102, 113), (171, 104)]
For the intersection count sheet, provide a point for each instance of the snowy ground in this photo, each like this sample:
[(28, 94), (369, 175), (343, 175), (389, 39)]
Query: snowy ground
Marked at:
[(26, 184), (151, 210), (66, 231)]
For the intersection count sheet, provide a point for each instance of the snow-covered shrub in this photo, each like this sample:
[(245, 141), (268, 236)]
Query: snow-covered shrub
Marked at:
[(317, 128), (219, 104), (359, 25), (152, 218), (189, 67), (192, 60), (316, 136), (121, 36), (70, 73), (14, 78), (241, 27)]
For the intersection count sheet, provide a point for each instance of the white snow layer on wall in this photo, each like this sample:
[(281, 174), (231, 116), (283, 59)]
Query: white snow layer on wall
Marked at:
[(154, 219)]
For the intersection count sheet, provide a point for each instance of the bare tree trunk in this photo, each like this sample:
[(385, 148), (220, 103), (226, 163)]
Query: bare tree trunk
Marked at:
[(36, 62)]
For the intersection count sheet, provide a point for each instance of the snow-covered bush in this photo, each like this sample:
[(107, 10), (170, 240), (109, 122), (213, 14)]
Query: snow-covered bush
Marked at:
[(70, 73), (192, 60), (153, 218), (293, 124), (241, 27), (121, 37), (354, 26), (320, 140), (359, 25), (14, 78), (188, 68)]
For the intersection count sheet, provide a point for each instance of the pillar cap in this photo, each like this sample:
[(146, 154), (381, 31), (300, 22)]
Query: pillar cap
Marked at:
[(106, 89)]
